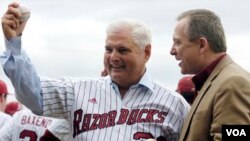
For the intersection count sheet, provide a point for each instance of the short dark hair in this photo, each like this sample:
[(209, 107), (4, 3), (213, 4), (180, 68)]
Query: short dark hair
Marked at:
[(205, 23)]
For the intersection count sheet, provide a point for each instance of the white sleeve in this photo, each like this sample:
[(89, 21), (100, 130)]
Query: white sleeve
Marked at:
[(58, 97)]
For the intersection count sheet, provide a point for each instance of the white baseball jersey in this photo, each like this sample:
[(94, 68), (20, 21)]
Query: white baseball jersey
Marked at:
[(26, 126), (98, 113), (4, 119), (94, 107)]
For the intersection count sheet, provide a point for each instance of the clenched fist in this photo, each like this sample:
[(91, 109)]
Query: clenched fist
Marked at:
[(14, 20)]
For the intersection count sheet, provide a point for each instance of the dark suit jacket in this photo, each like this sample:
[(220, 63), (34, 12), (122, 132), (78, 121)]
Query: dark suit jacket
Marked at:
[(223, 99)]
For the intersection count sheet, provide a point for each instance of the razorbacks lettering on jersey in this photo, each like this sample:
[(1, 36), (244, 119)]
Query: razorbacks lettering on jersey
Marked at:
[(26, 126), (98, 113)]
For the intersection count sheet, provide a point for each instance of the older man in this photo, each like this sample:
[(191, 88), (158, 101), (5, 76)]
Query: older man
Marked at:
[(127, 105)]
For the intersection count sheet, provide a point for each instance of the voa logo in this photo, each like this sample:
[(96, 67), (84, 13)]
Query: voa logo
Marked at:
[(236, 132)]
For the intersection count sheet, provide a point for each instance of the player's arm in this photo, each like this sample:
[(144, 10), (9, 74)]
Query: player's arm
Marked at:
[(16, 63)]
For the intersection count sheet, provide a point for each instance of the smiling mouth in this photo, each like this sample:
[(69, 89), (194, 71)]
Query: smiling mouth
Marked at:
[(117, 68)]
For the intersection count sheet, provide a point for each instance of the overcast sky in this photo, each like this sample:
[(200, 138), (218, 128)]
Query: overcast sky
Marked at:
[(67, 37)]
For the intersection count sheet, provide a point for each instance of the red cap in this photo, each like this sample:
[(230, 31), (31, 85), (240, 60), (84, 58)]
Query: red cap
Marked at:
[(186, 84), (3, 88), (12, 107)]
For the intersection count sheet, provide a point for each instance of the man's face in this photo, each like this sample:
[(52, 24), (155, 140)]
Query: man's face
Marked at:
[(123, 60), (185, 51)]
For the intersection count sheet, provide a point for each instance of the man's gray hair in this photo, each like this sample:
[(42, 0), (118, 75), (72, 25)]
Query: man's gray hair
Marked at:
[(140, 32)]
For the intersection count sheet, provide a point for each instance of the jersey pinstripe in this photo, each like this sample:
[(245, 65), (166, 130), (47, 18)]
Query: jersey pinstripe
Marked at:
[(4, 119), (97, 113), (94, 107), (26, 126)]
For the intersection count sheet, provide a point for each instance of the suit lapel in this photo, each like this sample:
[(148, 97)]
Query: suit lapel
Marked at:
[(193, 109), (226, 60)]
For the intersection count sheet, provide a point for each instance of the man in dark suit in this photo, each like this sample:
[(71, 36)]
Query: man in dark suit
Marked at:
[(223, 86)]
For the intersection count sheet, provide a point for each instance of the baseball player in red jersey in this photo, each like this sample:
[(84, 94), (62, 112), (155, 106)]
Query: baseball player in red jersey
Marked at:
[(29, 127), (3, 99), (126, 105)]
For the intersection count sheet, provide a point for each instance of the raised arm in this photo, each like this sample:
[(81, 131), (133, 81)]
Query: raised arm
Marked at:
[(16, 63), (12, 24)]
